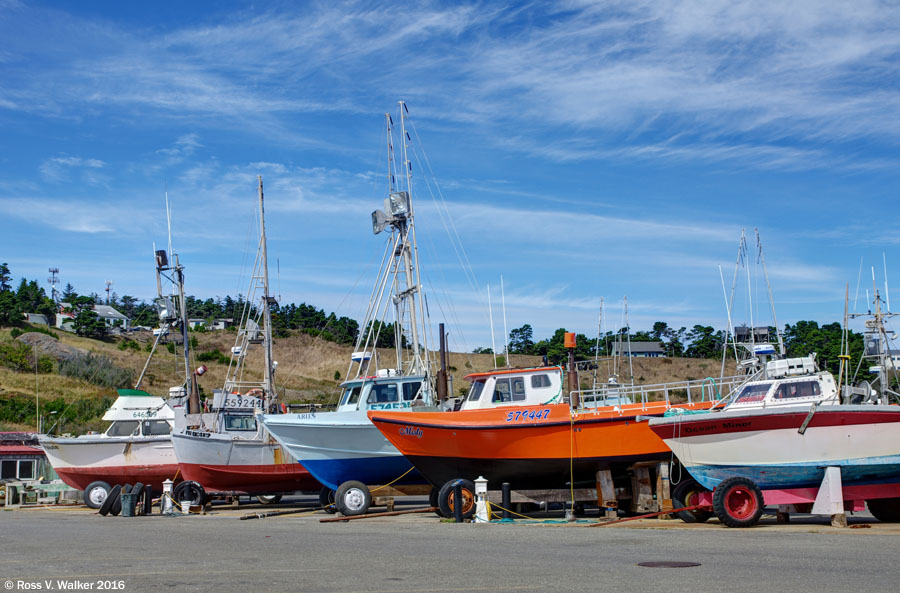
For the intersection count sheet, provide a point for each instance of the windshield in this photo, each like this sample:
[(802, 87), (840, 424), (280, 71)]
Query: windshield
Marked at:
[(351, 395), (475, 391), (240, 422), (753, 393), (123, 428), (798, 389)]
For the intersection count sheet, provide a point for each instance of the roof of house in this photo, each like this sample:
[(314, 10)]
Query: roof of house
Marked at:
[(644, 347), (108, 312)]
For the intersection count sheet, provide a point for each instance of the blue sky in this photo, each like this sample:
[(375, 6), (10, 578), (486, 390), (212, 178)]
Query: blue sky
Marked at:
[(583, 149)]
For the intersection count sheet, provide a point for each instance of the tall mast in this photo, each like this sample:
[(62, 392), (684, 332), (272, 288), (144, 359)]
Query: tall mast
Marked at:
[(762, 258), (179, 274), (269, 386)]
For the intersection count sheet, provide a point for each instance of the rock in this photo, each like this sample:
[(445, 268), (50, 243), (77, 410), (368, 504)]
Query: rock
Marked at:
[(50, 346)]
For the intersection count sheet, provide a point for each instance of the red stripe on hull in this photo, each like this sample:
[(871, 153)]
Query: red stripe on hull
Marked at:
[(727, 423), (285, 477), (80, 477)]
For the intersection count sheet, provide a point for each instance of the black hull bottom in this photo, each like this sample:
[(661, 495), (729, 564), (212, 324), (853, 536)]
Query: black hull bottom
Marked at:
[(524, 474)]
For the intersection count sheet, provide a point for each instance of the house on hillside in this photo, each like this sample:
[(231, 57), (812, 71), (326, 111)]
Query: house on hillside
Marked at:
[(641, 350), (196, 323), (220, 324), (36, 318), (65, 319)]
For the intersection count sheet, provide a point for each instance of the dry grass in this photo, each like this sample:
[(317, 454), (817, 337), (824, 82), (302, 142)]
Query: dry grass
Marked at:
[(306, 370)]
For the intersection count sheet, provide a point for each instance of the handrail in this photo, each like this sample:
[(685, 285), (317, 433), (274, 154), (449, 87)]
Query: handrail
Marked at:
[(611, 395)]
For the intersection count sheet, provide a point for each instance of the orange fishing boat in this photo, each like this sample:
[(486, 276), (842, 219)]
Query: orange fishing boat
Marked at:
[(519, 435)]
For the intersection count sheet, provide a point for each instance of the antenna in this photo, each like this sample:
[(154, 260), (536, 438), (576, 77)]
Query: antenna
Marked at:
[(491, 316), (887, 292), (109, 284), (53, 280), (858, 278), (505, 332), (169, 223)]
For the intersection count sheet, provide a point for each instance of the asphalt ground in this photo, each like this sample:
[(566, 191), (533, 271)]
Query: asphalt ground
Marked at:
[(76, 549)]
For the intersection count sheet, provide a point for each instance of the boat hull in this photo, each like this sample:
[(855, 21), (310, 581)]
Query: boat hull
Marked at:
[(337, 447), (534, 447), (766, 445), (125, 460), (222, 464)]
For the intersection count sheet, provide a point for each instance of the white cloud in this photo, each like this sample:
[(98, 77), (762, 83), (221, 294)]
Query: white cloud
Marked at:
[(59, 168)]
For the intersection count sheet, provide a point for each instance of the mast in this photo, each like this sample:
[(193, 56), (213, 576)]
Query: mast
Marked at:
[(188, 378), (269, 380)]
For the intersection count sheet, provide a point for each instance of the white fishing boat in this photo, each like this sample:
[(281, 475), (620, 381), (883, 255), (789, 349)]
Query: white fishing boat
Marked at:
[(226, 450), (791, 437), (137, 445), (343, 449)]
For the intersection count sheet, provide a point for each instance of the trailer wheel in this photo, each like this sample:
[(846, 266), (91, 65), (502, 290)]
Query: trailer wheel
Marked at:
[(189, 490), (95, 494), (112, 495), (352, 498), (268, 498), (687, 494), (326, 499), (886, 510), (738, 502), (446, 502)]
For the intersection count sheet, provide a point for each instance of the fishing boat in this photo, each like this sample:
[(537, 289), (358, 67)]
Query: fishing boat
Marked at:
[(226, 450), (793, 436), (518, 426), (137, 445), (342, 449)]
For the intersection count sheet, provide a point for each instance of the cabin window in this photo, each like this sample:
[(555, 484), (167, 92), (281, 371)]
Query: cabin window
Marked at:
[(156, 427), (384, 393), (8, 469), (26, 469), (753, 393), (122, 428), (240, 422), (351, 395), (509, 390), (411, 390), (540, 381), (475, 391), (798, 389)]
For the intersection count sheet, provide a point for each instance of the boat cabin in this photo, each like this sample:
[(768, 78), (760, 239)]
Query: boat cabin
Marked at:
[(384, 392), (788, 382), (138, 413), (513, 387)]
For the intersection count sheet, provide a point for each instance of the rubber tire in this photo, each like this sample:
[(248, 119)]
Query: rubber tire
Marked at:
[(196, 493), (445, 499), (886, 510), (148, 500), (98, 485), (356, 494), (433, 501), (326, 499), (268, 498), (738, 491), (139, 501), (684, 495), (107, 504), (116, 507)]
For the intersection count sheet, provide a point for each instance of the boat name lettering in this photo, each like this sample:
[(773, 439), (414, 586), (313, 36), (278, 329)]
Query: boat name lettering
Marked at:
[(709, 427), (306, 416), (527, 415), (196, 433), (242, 402), (411, 431)]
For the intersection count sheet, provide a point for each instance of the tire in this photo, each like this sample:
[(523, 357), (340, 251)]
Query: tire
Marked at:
[(148, 499), (138, 489), (268, 498), (886, 510), (326, 499), (113, 494), (738, 502), (685, 494), (433, 501), (95, 494), (116, 507), (189, 490), (352, 498), (446, 502)]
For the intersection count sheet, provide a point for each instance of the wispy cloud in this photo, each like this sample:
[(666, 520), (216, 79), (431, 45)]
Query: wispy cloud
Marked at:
[(59, 168)]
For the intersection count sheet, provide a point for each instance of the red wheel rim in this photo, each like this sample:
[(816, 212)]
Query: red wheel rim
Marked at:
[(740, 502)]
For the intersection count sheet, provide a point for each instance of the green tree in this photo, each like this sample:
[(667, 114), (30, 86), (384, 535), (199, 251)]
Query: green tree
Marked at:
[(5, 278), (521, 340), (705, 342)]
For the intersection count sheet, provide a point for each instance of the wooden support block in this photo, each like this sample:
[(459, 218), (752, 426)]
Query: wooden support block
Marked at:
[(839, 520), (385, 501), (663, 494), (642, 501), (606, 490)]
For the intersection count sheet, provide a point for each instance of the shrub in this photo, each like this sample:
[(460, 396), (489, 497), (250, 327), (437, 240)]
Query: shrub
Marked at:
[(97, 369), (129, 344), (15, 356), (213, 356), (15, 333), (337, 375)]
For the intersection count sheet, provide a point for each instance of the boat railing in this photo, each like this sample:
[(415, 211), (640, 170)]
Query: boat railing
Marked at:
[(673, 393)]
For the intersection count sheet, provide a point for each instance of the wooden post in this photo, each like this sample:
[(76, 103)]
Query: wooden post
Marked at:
[(663, 491), (642, 500), (442, 373), (606, 493)]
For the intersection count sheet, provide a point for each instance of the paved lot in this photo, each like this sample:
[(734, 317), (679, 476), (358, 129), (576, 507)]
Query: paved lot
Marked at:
[(219, 553)]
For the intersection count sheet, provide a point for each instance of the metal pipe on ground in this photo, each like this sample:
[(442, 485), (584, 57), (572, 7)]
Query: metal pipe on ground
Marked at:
[(375, 515)]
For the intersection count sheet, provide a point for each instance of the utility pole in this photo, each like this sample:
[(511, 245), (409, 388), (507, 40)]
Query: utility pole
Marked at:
[(109, 284), (54, 280)]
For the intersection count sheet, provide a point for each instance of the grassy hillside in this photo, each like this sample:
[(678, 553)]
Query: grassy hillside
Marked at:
[(306, 372)]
